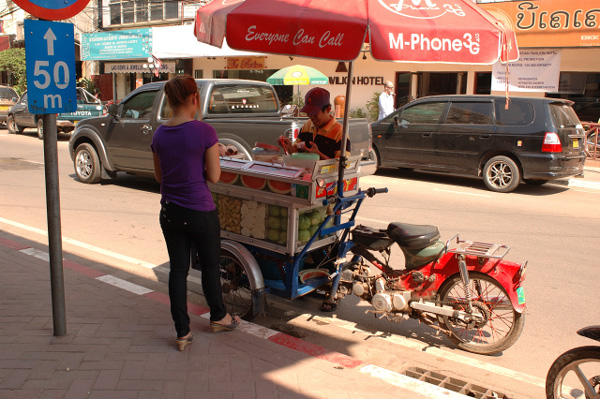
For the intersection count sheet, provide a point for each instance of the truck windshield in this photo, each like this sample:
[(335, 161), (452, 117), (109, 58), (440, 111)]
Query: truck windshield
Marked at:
[(242, 99)]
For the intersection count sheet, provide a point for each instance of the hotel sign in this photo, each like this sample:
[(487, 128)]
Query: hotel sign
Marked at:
[(246, 63), (550, 23)]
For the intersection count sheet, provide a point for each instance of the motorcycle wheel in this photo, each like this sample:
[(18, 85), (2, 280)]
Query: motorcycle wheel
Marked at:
[(574, 373), (502, 325), (235, 285)]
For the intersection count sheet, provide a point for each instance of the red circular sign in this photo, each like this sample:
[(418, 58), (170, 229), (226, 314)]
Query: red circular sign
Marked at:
[(52, 10)]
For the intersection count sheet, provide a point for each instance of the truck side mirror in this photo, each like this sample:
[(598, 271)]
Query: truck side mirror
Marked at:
[(113, 110)]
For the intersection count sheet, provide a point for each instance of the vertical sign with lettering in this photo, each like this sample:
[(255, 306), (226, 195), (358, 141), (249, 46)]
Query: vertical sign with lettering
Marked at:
[(50, 64)]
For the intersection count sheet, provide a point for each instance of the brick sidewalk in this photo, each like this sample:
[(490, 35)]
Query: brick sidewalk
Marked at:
[(120, 345)]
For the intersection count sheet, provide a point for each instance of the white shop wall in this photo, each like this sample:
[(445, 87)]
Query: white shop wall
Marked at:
[(369, 74)]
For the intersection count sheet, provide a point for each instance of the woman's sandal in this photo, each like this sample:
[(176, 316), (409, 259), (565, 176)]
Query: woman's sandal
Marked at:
[(183, 342), (216, 327)]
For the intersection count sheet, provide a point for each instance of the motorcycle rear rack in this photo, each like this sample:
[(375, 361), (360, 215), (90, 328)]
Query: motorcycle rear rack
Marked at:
[(479, 249)]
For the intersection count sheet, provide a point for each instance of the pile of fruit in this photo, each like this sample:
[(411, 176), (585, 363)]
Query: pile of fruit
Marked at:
[(277, 224)]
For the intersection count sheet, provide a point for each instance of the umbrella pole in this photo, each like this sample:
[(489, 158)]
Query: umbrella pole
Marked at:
[(342, 164)]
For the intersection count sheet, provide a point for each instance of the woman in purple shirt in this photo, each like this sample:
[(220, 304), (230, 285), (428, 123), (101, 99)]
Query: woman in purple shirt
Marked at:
[(186, 155)]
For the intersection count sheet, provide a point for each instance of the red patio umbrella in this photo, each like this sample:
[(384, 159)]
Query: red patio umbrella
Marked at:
[(447, 31), (438, 31)]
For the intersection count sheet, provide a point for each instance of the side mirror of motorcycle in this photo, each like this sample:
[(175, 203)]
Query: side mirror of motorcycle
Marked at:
[(320, 182)]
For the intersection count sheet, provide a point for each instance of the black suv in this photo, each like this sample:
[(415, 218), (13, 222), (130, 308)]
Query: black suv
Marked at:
[(534, 139)]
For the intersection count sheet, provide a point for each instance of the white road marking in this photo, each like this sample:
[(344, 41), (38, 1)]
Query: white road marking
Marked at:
[(421, 387), (407, 343), (339, 322), (462, 193), (101, 251), (37, 254), (124, 284), (251, 328)]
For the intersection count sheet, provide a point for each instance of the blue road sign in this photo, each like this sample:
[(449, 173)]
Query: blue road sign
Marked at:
[(50, 64)]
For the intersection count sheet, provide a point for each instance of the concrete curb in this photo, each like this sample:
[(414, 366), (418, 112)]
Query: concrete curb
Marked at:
[(591, 180)]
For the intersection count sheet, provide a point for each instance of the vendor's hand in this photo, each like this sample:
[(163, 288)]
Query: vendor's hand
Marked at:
[(222, 150), (314, 149), (286, 144)]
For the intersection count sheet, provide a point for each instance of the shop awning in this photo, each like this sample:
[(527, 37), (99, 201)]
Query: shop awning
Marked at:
[(179, 42)]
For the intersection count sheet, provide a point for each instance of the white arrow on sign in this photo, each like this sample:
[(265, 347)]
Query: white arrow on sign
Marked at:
[(50, 38)]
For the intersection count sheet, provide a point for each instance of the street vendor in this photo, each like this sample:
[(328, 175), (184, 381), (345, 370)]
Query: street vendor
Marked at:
[(322, 133)]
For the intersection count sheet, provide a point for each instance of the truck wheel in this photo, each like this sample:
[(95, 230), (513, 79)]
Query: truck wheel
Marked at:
[(87, 164), (12, 126), (40, 128), (501, 174)]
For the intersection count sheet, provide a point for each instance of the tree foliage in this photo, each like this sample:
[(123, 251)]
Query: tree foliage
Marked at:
[(373, 107), (13, 61)]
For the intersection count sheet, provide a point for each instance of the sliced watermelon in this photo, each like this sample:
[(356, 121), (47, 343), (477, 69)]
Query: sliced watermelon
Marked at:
[(256, 183), (279, 187), (228, 177)]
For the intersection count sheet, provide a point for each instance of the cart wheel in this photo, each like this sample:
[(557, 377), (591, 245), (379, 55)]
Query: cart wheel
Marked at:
[(237, 294)]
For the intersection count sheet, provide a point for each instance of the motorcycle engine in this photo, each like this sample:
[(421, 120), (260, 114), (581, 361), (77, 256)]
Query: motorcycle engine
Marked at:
[(389, 300)]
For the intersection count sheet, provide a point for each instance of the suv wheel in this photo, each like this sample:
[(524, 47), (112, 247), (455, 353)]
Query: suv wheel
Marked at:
[(12, 126), (87, 164), (40, 128), (501, 174)]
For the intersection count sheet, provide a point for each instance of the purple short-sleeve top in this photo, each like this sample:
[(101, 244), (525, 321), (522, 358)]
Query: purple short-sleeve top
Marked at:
[(180, 151)]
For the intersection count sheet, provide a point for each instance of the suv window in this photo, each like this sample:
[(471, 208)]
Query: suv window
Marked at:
[(423, 113), (139, 106), (471, 113), (242, 99), (519, 112), (563, 115), (165, 109)]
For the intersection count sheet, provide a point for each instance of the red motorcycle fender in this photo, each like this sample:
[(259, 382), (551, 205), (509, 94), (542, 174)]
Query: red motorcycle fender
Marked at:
[(507, 274)]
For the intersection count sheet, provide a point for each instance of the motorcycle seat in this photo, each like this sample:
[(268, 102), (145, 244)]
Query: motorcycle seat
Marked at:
[(413, 236)]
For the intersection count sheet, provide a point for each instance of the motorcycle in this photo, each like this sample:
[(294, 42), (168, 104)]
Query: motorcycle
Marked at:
[(576, 373), (464, 289)]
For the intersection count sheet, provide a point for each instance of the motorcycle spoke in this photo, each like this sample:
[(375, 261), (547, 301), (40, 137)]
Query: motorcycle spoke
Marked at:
[(499, 310)]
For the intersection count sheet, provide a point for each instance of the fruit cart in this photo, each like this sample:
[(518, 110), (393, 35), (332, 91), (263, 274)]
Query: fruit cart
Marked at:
[(277, 229)]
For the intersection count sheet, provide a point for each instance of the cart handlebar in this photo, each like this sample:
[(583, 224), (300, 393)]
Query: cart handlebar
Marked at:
[(371, 191)]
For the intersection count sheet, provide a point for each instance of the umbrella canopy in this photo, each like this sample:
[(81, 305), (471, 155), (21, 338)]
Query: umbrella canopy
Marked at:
[(447, 31), (298, 75)]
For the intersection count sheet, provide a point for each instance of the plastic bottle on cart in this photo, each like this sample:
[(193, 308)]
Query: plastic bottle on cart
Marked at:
[(294, 131)]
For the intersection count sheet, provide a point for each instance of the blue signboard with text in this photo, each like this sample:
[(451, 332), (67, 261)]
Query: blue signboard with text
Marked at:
[(116, 45), (50, 64)]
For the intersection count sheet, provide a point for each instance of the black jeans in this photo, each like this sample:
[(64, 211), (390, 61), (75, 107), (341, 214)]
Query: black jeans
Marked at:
[(181, 227)]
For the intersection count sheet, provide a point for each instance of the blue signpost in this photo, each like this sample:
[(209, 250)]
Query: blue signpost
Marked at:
[(50, 63)]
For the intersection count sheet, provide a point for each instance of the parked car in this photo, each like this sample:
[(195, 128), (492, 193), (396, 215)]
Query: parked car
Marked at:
[(535, 140), (20, 118), (242, 112), (8, 98)]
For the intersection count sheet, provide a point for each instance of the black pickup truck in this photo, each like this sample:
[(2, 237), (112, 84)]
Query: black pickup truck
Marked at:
[(243, 112)]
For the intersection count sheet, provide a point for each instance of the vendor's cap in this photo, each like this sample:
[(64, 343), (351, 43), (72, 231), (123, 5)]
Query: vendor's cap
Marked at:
[(315, 100)]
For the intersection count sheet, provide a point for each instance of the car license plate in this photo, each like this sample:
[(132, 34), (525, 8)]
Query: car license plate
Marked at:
[(3, 108), (575, 143)]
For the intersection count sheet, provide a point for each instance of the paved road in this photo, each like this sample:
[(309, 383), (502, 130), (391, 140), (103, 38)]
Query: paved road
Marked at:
[(552, 226)]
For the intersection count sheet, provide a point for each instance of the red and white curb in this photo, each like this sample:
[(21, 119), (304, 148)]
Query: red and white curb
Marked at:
[(391, 377)]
